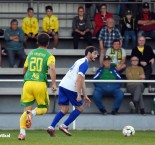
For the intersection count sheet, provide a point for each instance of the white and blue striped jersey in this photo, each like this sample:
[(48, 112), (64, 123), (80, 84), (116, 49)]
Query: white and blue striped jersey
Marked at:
[(69, 80)]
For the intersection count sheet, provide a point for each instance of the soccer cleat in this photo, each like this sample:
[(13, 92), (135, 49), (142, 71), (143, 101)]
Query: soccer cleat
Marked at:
[(51, 132), (64, 130), (21, 137), (29, 119)]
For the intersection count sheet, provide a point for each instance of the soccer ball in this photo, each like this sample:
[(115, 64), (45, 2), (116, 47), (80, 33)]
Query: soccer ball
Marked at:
[(128, 131)]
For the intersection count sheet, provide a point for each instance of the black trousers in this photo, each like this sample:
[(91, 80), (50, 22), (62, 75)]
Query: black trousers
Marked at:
[(76, 37)]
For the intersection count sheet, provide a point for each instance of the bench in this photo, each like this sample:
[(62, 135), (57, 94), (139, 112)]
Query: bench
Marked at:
[(13, 94), (18, 91)]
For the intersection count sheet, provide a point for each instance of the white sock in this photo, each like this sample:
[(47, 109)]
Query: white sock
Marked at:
[(64, 125), (22, 131), (50, 127), (54, 48), (34, 113)]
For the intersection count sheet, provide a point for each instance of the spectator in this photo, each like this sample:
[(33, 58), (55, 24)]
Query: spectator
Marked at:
[(30, 26), (101, 19), (145, 55), (117, 54), (129, 29), (146, 22), (107, 35), (81, 28), (135, 72), (107, 72), (14, 38), (51, 25)]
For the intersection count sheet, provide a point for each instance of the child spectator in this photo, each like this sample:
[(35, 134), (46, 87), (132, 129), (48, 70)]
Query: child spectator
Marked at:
[(51, 25), (129, 29), (30, 26)]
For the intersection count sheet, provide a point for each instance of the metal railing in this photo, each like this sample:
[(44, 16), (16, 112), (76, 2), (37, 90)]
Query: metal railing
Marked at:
[(90, 81)]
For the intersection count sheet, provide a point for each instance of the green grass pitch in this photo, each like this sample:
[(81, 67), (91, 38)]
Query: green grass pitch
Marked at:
[(40, 137)]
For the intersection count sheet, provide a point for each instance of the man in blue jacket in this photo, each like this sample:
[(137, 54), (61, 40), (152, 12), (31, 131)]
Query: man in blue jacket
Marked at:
[(107, 72), (14, 38)]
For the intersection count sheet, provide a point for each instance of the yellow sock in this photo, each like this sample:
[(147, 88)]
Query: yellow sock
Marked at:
[(40, 111), (23, 120)]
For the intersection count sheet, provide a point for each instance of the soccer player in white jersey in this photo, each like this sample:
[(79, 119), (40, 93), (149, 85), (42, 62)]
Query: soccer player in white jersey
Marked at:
[(70, 89)]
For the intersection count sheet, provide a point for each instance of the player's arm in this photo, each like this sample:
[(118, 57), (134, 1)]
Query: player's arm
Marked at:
[(80, 80), (79, 85), (86, 99), (53, 77), (25, 66), (51, 65)]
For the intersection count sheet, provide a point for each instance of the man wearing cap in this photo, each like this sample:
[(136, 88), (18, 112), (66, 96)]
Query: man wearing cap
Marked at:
[(51, 25), (146, 22), (129, 29), (107, 72)]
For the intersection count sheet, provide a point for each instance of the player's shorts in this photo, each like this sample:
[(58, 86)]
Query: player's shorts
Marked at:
[(65, 96), (35, 91)]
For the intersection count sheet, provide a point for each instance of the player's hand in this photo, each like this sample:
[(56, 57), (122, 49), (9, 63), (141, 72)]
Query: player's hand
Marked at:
[(79, 98), (54, 88), (87, 101)]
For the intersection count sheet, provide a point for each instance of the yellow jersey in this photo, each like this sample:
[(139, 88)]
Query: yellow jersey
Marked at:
[(50, 23), (30, 25)]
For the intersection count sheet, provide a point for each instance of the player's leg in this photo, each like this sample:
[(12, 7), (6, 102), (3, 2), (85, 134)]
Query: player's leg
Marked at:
[(57, 118), (27, 101), (23, 126), (74, 114), (64, 102), (42, 98)]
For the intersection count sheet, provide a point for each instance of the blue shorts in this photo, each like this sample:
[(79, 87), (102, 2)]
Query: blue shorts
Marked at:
[(65, 96)]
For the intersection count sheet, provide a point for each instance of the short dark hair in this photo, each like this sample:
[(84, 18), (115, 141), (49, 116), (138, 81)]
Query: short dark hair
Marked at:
[(115, 40), (48, 7), (43, 39), (13, 20), (90, 49), (80, 7), (103, 5), (30, 9)]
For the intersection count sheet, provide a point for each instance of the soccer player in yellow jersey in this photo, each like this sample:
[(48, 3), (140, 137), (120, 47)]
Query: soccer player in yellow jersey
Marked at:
[(51, 25), (35, 83), (30, 26)]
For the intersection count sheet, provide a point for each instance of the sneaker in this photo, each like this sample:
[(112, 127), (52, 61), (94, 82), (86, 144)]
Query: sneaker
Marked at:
[(114, 112), (64, 130), (21, 137), (132, 105), (142, 111), (51, 132), (103, 111), (29, 119)]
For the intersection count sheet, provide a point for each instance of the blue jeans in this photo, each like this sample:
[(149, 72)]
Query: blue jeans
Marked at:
[(12, 55), (107, 89), (127, 36)]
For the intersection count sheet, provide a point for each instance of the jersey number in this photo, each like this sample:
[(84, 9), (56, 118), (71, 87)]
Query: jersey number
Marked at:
[(36, 64)]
